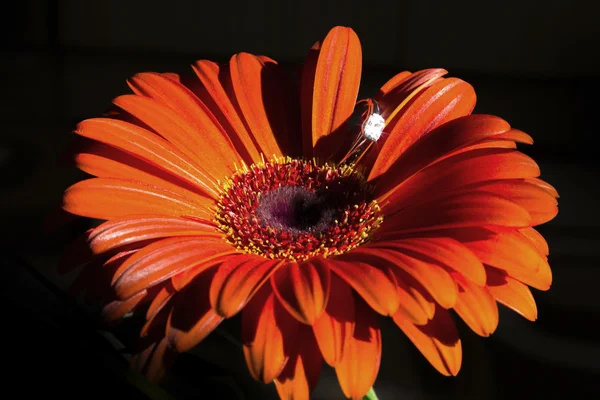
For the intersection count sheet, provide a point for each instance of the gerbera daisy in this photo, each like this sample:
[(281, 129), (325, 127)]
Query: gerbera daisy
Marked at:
[(310, 214)]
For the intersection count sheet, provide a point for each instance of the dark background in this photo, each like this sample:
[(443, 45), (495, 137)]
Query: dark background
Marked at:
[(533, 63)]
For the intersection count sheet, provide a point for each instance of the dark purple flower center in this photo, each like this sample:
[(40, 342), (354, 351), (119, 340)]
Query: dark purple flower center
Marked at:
[(295, 209)]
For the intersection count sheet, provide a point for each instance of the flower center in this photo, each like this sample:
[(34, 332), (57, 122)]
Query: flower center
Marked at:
[(294, 209)]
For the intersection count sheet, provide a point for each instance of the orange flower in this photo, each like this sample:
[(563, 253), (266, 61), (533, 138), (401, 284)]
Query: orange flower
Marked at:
[(225, 194)]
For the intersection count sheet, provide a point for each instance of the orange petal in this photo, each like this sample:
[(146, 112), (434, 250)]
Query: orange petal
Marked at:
[(511, 252), (301, 372), (536, 239), (460, 171), (163, 259), (416, 303), (212, 92), (512, 293), (303, 289), (334, 89), (163, 296), (335, 327), (403, 84), (516, 136), (358, 368), (236, 281), (443, 101), (188, 139), (120, 232), (544, 185), (438, 143), (538, 202), (442, 251), (476, 306), (434, 278), (458, 211), (107, 162), (103, 198), (147, 146), (251, 80), (181, 100), (265, 325), (438, 341), (192, 317), (376, 286)]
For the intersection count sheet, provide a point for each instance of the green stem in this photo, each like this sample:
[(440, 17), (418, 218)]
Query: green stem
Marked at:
[(370, 395)]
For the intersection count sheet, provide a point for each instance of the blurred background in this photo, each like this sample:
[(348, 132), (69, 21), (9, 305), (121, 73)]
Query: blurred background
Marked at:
[(532, 63)]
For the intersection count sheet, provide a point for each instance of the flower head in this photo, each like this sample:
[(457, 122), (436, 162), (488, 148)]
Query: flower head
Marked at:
[(309, 213)]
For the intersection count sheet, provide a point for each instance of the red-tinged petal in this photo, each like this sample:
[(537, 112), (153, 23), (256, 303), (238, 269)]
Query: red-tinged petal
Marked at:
[(147, 146), (358, 368), (415, 302), (127, 230), (536, 239), (516, 136), (538, 202), (403, 84), (443, 101), (459, 171), (442, 251), (544, 185), (303, 289), (335, 327), (301, 373), (334, 89), (212, 92), (103, 161), (265, 326), (512, 293), (185, 103), (164, 259), (434, 278), (511, 252), (266, 100), (190, 140), (237, 280), (464, 210), (192, 318), (247, 83), (154, 361), (439, 142), (438, 341), (376, 286), (117, 309), (159, 301), (105, 199), (476, 306)]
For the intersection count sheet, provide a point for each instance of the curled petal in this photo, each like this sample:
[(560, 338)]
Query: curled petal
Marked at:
[(476, 306), (438, 341), (303, 289), (237, 280), (376, 286), (512, 293)]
